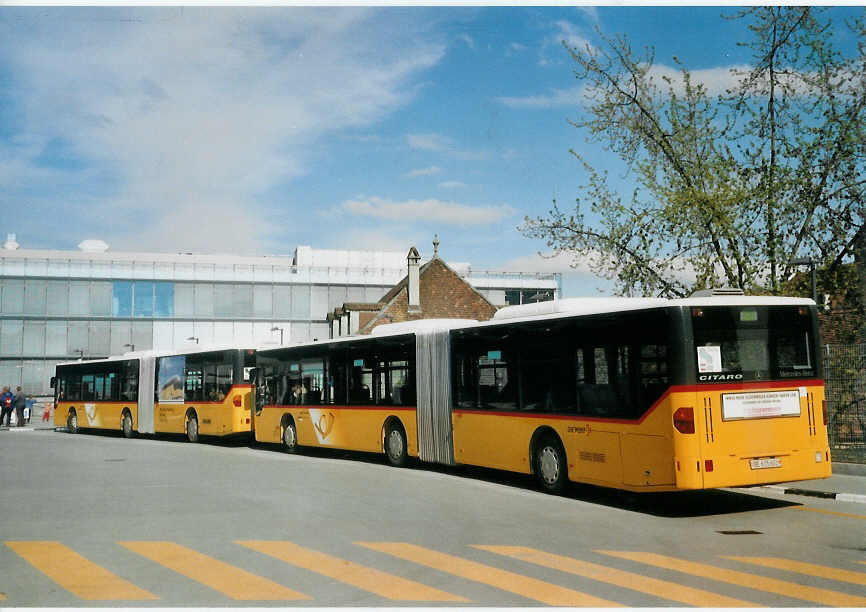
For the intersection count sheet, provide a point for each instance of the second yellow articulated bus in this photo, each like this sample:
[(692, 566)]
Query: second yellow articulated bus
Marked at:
[(631, 393), (204, 392)]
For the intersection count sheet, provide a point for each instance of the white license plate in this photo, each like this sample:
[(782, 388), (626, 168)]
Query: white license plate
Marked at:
[(769, 462)]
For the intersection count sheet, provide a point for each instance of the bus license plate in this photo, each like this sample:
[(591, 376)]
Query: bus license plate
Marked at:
[(769, 462)]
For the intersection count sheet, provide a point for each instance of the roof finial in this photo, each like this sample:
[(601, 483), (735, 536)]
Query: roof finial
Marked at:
[(435, 245)]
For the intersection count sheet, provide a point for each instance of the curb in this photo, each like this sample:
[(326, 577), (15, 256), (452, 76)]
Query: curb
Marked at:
[(848, 497)]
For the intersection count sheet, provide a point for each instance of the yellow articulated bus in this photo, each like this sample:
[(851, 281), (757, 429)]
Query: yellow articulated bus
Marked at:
[(631, 393), (205, 392)]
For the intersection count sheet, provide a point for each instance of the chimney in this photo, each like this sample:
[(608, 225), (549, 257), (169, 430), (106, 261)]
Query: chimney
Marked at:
[(413, 280), (10, 244)]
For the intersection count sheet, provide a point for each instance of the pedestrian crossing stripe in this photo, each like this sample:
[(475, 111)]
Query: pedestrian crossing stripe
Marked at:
[(809, 569), (524, 586), (229, 580), (753, 581), (79, 576), (637, 582), (368, 579), (89, 581)]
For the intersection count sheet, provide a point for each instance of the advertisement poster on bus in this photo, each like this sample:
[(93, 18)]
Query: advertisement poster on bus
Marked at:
[(170, 381)]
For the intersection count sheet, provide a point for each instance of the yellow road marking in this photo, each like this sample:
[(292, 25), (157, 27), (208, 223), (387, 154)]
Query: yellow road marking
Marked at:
[(227, 579), (845, 514), (629, 580), (365, 578), (770, 585), (530, 588), (805, 568), (81, 577)]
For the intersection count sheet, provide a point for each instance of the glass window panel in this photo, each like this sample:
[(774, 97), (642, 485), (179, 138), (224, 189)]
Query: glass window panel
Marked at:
[(11, 336), (263, 301), (79, 298), (319, 302), (142, 299), (301, 302), (34, 297), (337, 296), (57, 298), (242, 305), (100, 269), (204, 306), (163, 302), (121, 269), (13, 296), (101, 301), (204, 271), (121, 299), (55, 338), (99, 339), (183, 300), (282, 301), (142, 335), (163, 270), (34, 338), (58, 267), (374, 294), (77, 340), (79, 268), (35, 379), (355, 294), (121, 334), (222, 300), (10, 373)]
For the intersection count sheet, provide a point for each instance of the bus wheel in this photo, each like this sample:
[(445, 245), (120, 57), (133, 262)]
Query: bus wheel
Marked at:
[(290, 437), (192, 428), (126, 424), (72, 422), (550, 467), (395, 444)]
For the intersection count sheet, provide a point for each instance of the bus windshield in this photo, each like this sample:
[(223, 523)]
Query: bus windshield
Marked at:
[(753, 343)]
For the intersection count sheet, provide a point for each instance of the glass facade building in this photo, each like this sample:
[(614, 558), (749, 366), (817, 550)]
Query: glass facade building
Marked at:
[(62, 305)]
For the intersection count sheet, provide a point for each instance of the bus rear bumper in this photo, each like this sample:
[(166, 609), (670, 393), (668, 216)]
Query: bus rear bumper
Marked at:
[(739, 471)]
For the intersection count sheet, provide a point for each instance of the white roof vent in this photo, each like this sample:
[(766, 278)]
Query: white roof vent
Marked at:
[(93, 246), (10, 244)]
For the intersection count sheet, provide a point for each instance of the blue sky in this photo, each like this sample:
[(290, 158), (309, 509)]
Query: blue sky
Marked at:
[(252, 130)]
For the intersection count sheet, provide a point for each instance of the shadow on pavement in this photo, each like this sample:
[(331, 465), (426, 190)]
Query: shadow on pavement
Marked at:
[(679, 504)]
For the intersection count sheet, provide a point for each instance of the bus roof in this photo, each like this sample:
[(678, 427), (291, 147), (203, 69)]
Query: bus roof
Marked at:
[(601, 305), (153, 353)]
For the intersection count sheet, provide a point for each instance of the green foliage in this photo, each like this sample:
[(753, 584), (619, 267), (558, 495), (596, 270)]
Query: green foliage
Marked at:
[(730, 188)]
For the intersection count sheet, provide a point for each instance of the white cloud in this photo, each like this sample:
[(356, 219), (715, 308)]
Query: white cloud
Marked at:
[(557, 98), (452, 185), (423, 172), (553, 262), (568, 32), (192, 114), (468, 40), (427, 211), (438, 143)]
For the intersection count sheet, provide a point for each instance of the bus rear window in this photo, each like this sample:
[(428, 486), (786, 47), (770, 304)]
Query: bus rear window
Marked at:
[(753, 343)]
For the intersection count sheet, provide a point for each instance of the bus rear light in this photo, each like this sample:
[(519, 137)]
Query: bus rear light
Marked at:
[(708, 465), (237, 401), (248, 421), (824, 410), (684, 420)]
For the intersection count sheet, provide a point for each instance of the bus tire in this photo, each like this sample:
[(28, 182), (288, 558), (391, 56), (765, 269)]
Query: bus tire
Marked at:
[(126, 424), (192, 427), (289, 435), (72, 422), (395, 443), (551, 469)]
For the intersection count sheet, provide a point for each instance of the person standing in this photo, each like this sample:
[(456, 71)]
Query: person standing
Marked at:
[(20, 403), (6, 399)]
